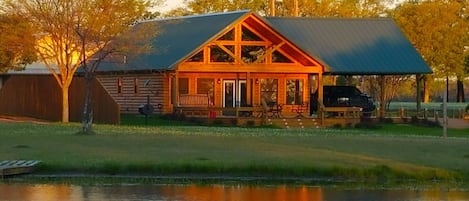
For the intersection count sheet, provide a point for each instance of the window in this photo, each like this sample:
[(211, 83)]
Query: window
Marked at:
[(278, 57), (136, 86), (248, 35), (269, 88), (294, 91), (119, 85), (228, 36), (206, 86), (183, 85), (250, 53), (199, 57), (217, 54)]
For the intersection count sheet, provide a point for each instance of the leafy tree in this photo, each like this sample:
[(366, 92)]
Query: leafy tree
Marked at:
[(392, 84), (73, 30), (178, 12), (439, 32), (17, 41), (208, 6), (460, 84), (334, 8), (341, 8)]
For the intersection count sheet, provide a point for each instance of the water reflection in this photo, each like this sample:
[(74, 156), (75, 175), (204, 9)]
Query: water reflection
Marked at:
[(46, 192)]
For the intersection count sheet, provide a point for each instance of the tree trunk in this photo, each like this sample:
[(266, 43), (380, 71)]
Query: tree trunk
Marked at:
[(426, 90), (65, 104), (460, 92), (87, 119)]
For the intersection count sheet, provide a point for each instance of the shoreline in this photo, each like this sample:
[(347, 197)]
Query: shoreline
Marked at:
[(218, 179)]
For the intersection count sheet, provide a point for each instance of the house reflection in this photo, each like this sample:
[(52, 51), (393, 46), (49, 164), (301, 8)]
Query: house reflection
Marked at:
[(258, 193), (64, 192)]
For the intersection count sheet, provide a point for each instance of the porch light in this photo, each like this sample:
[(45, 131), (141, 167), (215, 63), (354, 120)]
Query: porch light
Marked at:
[(218, 81), (257, 81)]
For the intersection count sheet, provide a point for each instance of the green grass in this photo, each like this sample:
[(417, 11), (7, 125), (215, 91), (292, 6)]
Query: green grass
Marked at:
[(390, 152)]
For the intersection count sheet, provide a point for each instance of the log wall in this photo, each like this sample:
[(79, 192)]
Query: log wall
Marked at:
[(135, 89)]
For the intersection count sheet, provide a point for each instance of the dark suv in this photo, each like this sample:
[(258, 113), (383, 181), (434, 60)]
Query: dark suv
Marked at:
[(340, 96)]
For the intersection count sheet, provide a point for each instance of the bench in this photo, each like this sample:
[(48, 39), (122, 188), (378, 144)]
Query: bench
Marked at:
[(194, 105)]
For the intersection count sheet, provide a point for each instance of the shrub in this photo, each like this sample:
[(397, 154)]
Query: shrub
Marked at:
[(250, 123), (217, 122)]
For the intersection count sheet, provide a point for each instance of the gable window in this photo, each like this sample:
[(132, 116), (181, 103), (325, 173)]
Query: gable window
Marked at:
[(294, 92), (248, 35), (119, 85), (217, 54), (199, 57), (206, 86), (269, 90), (250, 53), (228, 36), (278, 57), (183, 85)]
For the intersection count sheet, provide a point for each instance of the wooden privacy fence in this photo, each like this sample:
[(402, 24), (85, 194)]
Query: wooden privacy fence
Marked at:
[(40, 97)]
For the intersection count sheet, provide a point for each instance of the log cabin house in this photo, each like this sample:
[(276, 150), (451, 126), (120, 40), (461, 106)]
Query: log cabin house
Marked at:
[(239, 65), (216, 65)]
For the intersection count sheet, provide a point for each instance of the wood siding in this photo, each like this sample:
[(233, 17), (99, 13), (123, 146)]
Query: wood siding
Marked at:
[(152, 85), (39, 96)]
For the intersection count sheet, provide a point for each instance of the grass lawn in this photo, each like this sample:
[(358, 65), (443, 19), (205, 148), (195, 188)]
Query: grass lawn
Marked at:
[(389, 152)]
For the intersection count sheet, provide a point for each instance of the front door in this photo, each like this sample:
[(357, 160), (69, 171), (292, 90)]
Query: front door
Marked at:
[(234, 94)]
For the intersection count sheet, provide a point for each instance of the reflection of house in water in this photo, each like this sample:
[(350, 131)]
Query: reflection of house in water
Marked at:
[(257, 193)]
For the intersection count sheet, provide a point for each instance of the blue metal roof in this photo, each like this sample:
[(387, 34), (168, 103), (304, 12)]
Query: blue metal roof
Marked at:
[(345, 46), (353, 46), (177, 39)]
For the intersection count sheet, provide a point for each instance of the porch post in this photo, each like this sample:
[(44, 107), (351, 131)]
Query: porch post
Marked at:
[(417, 90), (176, 89), (382, 104), (248, 88), (320, 94)]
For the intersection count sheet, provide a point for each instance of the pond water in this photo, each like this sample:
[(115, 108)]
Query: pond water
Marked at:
[(62, 192)]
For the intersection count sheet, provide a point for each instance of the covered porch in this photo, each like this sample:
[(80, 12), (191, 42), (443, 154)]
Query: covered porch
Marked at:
[(267, 114)]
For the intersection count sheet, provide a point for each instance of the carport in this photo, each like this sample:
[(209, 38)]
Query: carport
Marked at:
[(356, 46)]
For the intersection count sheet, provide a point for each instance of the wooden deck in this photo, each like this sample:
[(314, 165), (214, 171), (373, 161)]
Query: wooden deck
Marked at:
[(16, 167), (294, 117)]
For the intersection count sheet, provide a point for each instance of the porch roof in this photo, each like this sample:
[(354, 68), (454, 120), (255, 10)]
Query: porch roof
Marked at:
[(356, 46)]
